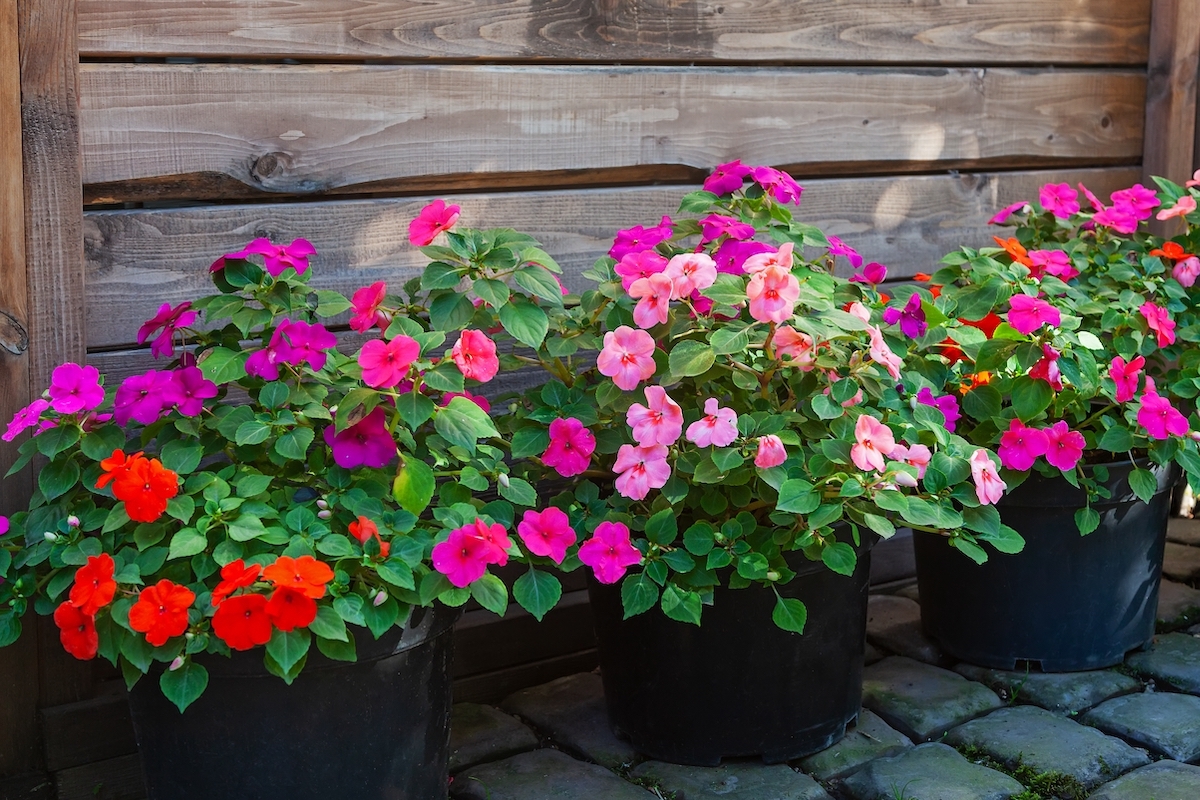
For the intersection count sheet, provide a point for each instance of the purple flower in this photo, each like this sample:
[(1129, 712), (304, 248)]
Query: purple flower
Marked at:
[(727, 178), (947, 404), (142, 398), (911, 318), (169, 320), (24, 419), (188, 390), (74, 388), (778, 184), (366, 443), (732, 254), (637, 238), (839, 248), (714, 226), (872, 273), (276, 257)]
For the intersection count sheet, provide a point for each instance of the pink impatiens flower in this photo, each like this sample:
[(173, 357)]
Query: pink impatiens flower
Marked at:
[(627, 357), (142, 398), (188, 390), (366, 443), (839, 248), (609, 552), (639, 264), (169, 320), (462, 558), (640, 469), (475, 355), (794, 347), (495, 539), (778, 184), (276, 257), (1021, 445), (727, 178), (872, 273), (547, 534), (1183, 206), (911, 317), (1003, 214), (432, 220), (25, 418), (653, 295), (1159, 418), (770, 453), (773, 293), (873, 442), (1027, 314), (365, 304), (718, 426), (714, 226), (1186, 271), (1046, 368), (1159, 321), (571, 447), (732, 255), (1059, 199), (988, 486), (385, 364), (917, 455), (690, 272), (1125, 376), (882, 355), (782, 258), (637, 238), (659, 423), (1139, 200), (1054, 262), (1065, 446), (74, 388)]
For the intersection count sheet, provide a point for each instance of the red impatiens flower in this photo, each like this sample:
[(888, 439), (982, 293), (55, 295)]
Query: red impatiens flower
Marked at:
[(234, 575), (145, 486), (94, 585), (289, 609), (77, 631), (115, 466), (161, 611), (242, 622), (305, 574), (363, 529)]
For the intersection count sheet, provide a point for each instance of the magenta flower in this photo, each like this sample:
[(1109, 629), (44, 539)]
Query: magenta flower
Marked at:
[(714, 226), (142, 398), (1055, 262), (732, 255), (778, 184), (637, 265), (1138, 200), (385, 364), (654, 299), (482, 402), (770, 453), (495, 539), (916, 455), (640, 469), (305, 343), (627, 357), (872, 273), (718, 426), (988, 486), (637, 238), (1003, 214), (659, 423), (462, 558), (1159, 417), (1183, 206), (690, 273), (1046, 369), (839, 248), (1120, 218), (947, 404), (727, 178), (1027, 314), (365, 304), (609, 552), (571, 447), (475, 355), (3, 524), (1125, 376), (547, 534), (1159, 321), (276, 257), (1186, 271), (882, 355), (773, 293), (25, 418), (873, 442), (1095, 201), (366, 443), (432, 220), (1065, 446), (74, 388), (794, 347), (188, 390), (1059, 199), (169, 320), (911, 317), (1020, 445)]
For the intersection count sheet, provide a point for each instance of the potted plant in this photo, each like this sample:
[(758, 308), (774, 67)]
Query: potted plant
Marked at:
[(1071, 345), (270, 506), (736, 428)]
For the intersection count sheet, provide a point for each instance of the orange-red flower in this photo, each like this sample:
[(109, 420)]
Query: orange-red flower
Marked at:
[(969, 382), (1015, 250), (76, 631), (234, 575), (161, 611), (115, 466), (145, 486), (363, 529), (1171, 250), (923, 277), (304, 574), (988, 325), (94, 585), (242, 622), (290, 609)]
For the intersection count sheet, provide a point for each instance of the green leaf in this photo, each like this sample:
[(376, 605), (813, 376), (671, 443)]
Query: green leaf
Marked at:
[(524, 321), (414, 486), (1143, 483), (681, 605), (662, 527), (530, 442), (246, 527), (1005, 540), (1116, 439), (1087, 520), (181, 507), (440, 275), (969, 549), (790, 614), (462, 423), (100, 444), (10, 628), (329, 625), (350, 608), (380, 618), (690, 358), (698, 539), (638, 594), (414, 408), (494, 293), (252, 484), (1030, 397), (294, 443), (331, 303), (335, 545), (221, 365), (825, 408), (59, 438), (881, 525), (726, 341), (491, 593), (797, 497), (338, 651), (1089, 340), (289, 647), (450, 311), (252, 432), (519, 491), (187, 542), (445, 377), (183, 685), (982, 402), (397, 572), (539, 282), (537, 592), (181, 456), (840, 558), (58, 477), (728, 290)]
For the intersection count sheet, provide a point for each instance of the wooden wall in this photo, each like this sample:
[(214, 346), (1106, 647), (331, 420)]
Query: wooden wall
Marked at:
[(160, 133)]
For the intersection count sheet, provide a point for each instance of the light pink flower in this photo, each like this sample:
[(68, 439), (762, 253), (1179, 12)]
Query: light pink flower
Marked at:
[(916, 455), (770, 452), (653, 295), (1183, 206), (609, 552), (782, 258), (571, 447), (1187, 271), (882, 355), (365, 304), (1027, 314), (1125, 376), (74, 388), (1065, 446), (1159, 418), (873, 442), (690, 272), (859, 311), (988, 486), (659, 423), (1195, 181), (795, 346), (547, 534), (433, 219), (627, 357), (385, 364), (639, 264), (718, 426), (25, 418), (1159, 321), (1003, 214), (475, 355), (1059, 199), (1021, 445), (773, 293), (640, 469)]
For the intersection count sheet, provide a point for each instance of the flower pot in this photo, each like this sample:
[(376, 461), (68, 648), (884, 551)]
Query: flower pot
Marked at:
[(737, 685), (375, 728), (1066, 602)]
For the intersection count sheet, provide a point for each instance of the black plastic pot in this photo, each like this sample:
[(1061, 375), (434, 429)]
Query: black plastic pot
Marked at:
[(1066, 602), (737, 685), (377, 728)]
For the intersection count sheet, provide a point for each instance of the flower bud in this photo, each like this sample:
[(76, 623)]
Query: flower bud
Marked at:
[(321, 504), (326, 514), (176, 664), (189, 635), (904, 479), (50, 536), (380, 599), (502, 479), (772, 575), (73, 521)]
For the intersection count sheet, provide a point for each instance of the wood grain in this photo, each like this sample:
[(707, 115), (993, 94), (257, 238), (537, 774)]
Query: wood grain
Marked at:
[(137, 260), (115, 779), (312, 129), (1171, 90), (814, 31), (93, 730)]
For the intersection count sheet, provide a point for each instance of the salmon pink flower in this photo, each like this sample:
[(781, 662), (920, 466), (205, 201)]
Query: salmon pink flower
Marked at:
[(289, 609), (235, 575), (638, 238), (839, 248), (462, 557), (169, 320), (142, 398), (1065, 446), (432, 220), (873, 442), (366, 304), (718, 426), (571, 446), (638, 265), (77, 631), (25, 418), (727, 178), (714, 226), (873, 273), (916, 455), (365, 443), (478, 400), (1125, 376), (778, 184), (188, 390), (690, 272), (276, 257), (794, 346), (773, 293), (653, 295), (385, 364), (74, 388), (1159, 321), (242, 622), (627, 357), (1027, 314), (161, 611), (659, 423), (988, 486), (475, 355), (783, 259), (548, 533), (770, 452), (1183, 206), (305, 574), (94, 585), (1021, 445), (640, 469), (911, 317), (1159, 418), (1046, 369), (947, 404), (1186, 271), (731, 256), (1003, 214), (1059, 199), (882, 355), (609, 552)]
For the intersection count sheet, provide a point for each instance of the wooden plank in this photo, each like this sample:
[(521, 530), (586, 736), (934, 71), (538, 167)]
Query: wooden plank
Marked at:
[(19, 751), (814, 31), (137, 260), (1171, 90), (199, 131), (484, 643), (82, 733), (115, 779), (492, 687), (28, 786)]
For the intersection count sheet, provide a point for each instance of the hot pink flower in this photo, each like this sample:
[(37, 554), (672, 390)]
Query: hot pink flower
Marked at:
[(1125, 376), (188, 390), (142, 398), (1121, 219), (433, 219), (365, 443), (874, 441), (718, 426), (74, 388), (654, 299), (571, 447), (637, 238), (1183, 206), (727, 178), (1055, 262), (3, 524), (627, 357), (1003, 214), (495, 539), (1065, 446), (872, 273), (783, 258), (660, 423), (882, 355), (168, 320), (714, 226), (475, 355), (1046, 369), (462, 558), (482, 402), (26, 418), (1138, 199), (690, 272), (640, 469), (1186, 271), (988, 486), (1159, 417), (609, 552), (773, 293), (1095, 201), (795, 346), (947, 404), (365, 304), (1020, 445), (731, 256), (639, 264), (547, 534), (276, 257), (1159, 321), (385, 364), (916, 455), (1059, 199), (778, 184), (1027, 314), (770, 453), (839, 248)]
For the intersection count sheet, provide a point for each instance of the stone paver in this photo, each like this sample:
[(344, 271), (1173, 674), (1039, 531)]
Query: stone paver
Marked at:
[(869, 738), (1181, 562), (894, 623), (1165, 722), (912, 592), (738, 780), (929, 772), (571, 711), (923, 701), (1048, 742), (1174, 659), (1061, 692), (1178, 604), (542, 775), (1166, 780), (484, 733), (1184, 531), (871, 653)]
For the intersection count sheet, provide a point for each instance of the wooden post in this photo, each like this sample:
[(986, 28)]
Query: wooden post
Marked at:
[(1170, 133)]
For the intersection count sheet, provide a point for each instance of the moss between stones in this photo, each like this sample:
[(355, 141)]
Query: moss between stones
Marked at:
[(1038, 785)]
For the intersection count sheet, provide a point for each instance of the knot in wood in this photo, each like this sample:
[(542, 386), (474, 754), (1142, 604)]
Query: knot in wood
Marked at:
[(268, 165)]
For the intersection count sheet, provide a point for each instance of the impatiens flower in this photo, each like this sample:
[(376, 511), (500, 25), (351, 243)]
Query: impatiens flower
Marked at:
[(1159, 418), (1016, 251), (366, 443), (873, 442), (188, 390), (727, 178), (911, 317), (1120, 218), (1021, 445), (115, 466), (478, 400), (1065, 446), (1027, 314), (235, 575), (770, 452), (916, 455), (882, 355), (142, 398), (169, 320), (241, 622), (494, 537), (714, 226), (475, 355), (627, 357), (1195, 181), (988, 486), (4, 524), (305, 343), (363, 530), (74, 388), (640, 469), (609, 552), (432, 220), (571, 446), (1003, 214), (385, 364), (872, 273), (773, 293), (1183, 206), (1046, 369), (637, 265), (659, 423), (1138, 199), (1159, 321), (947, 404), (731, 256), (778, 184), (1059, 199), (1095, 201), (637, 238), (718, 426), (794, 347), (145, 486), (25, 418), (289, 609), (462, 558), (689, 272), (77, 631), (1125, 376), (783, 258), (1171, 250), (839, 248), (548, 533), (1187, 271), (94, 586), (365, 304), (161, 611), (1055, 262), (305, 574), (653, 295), (276, 257)]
